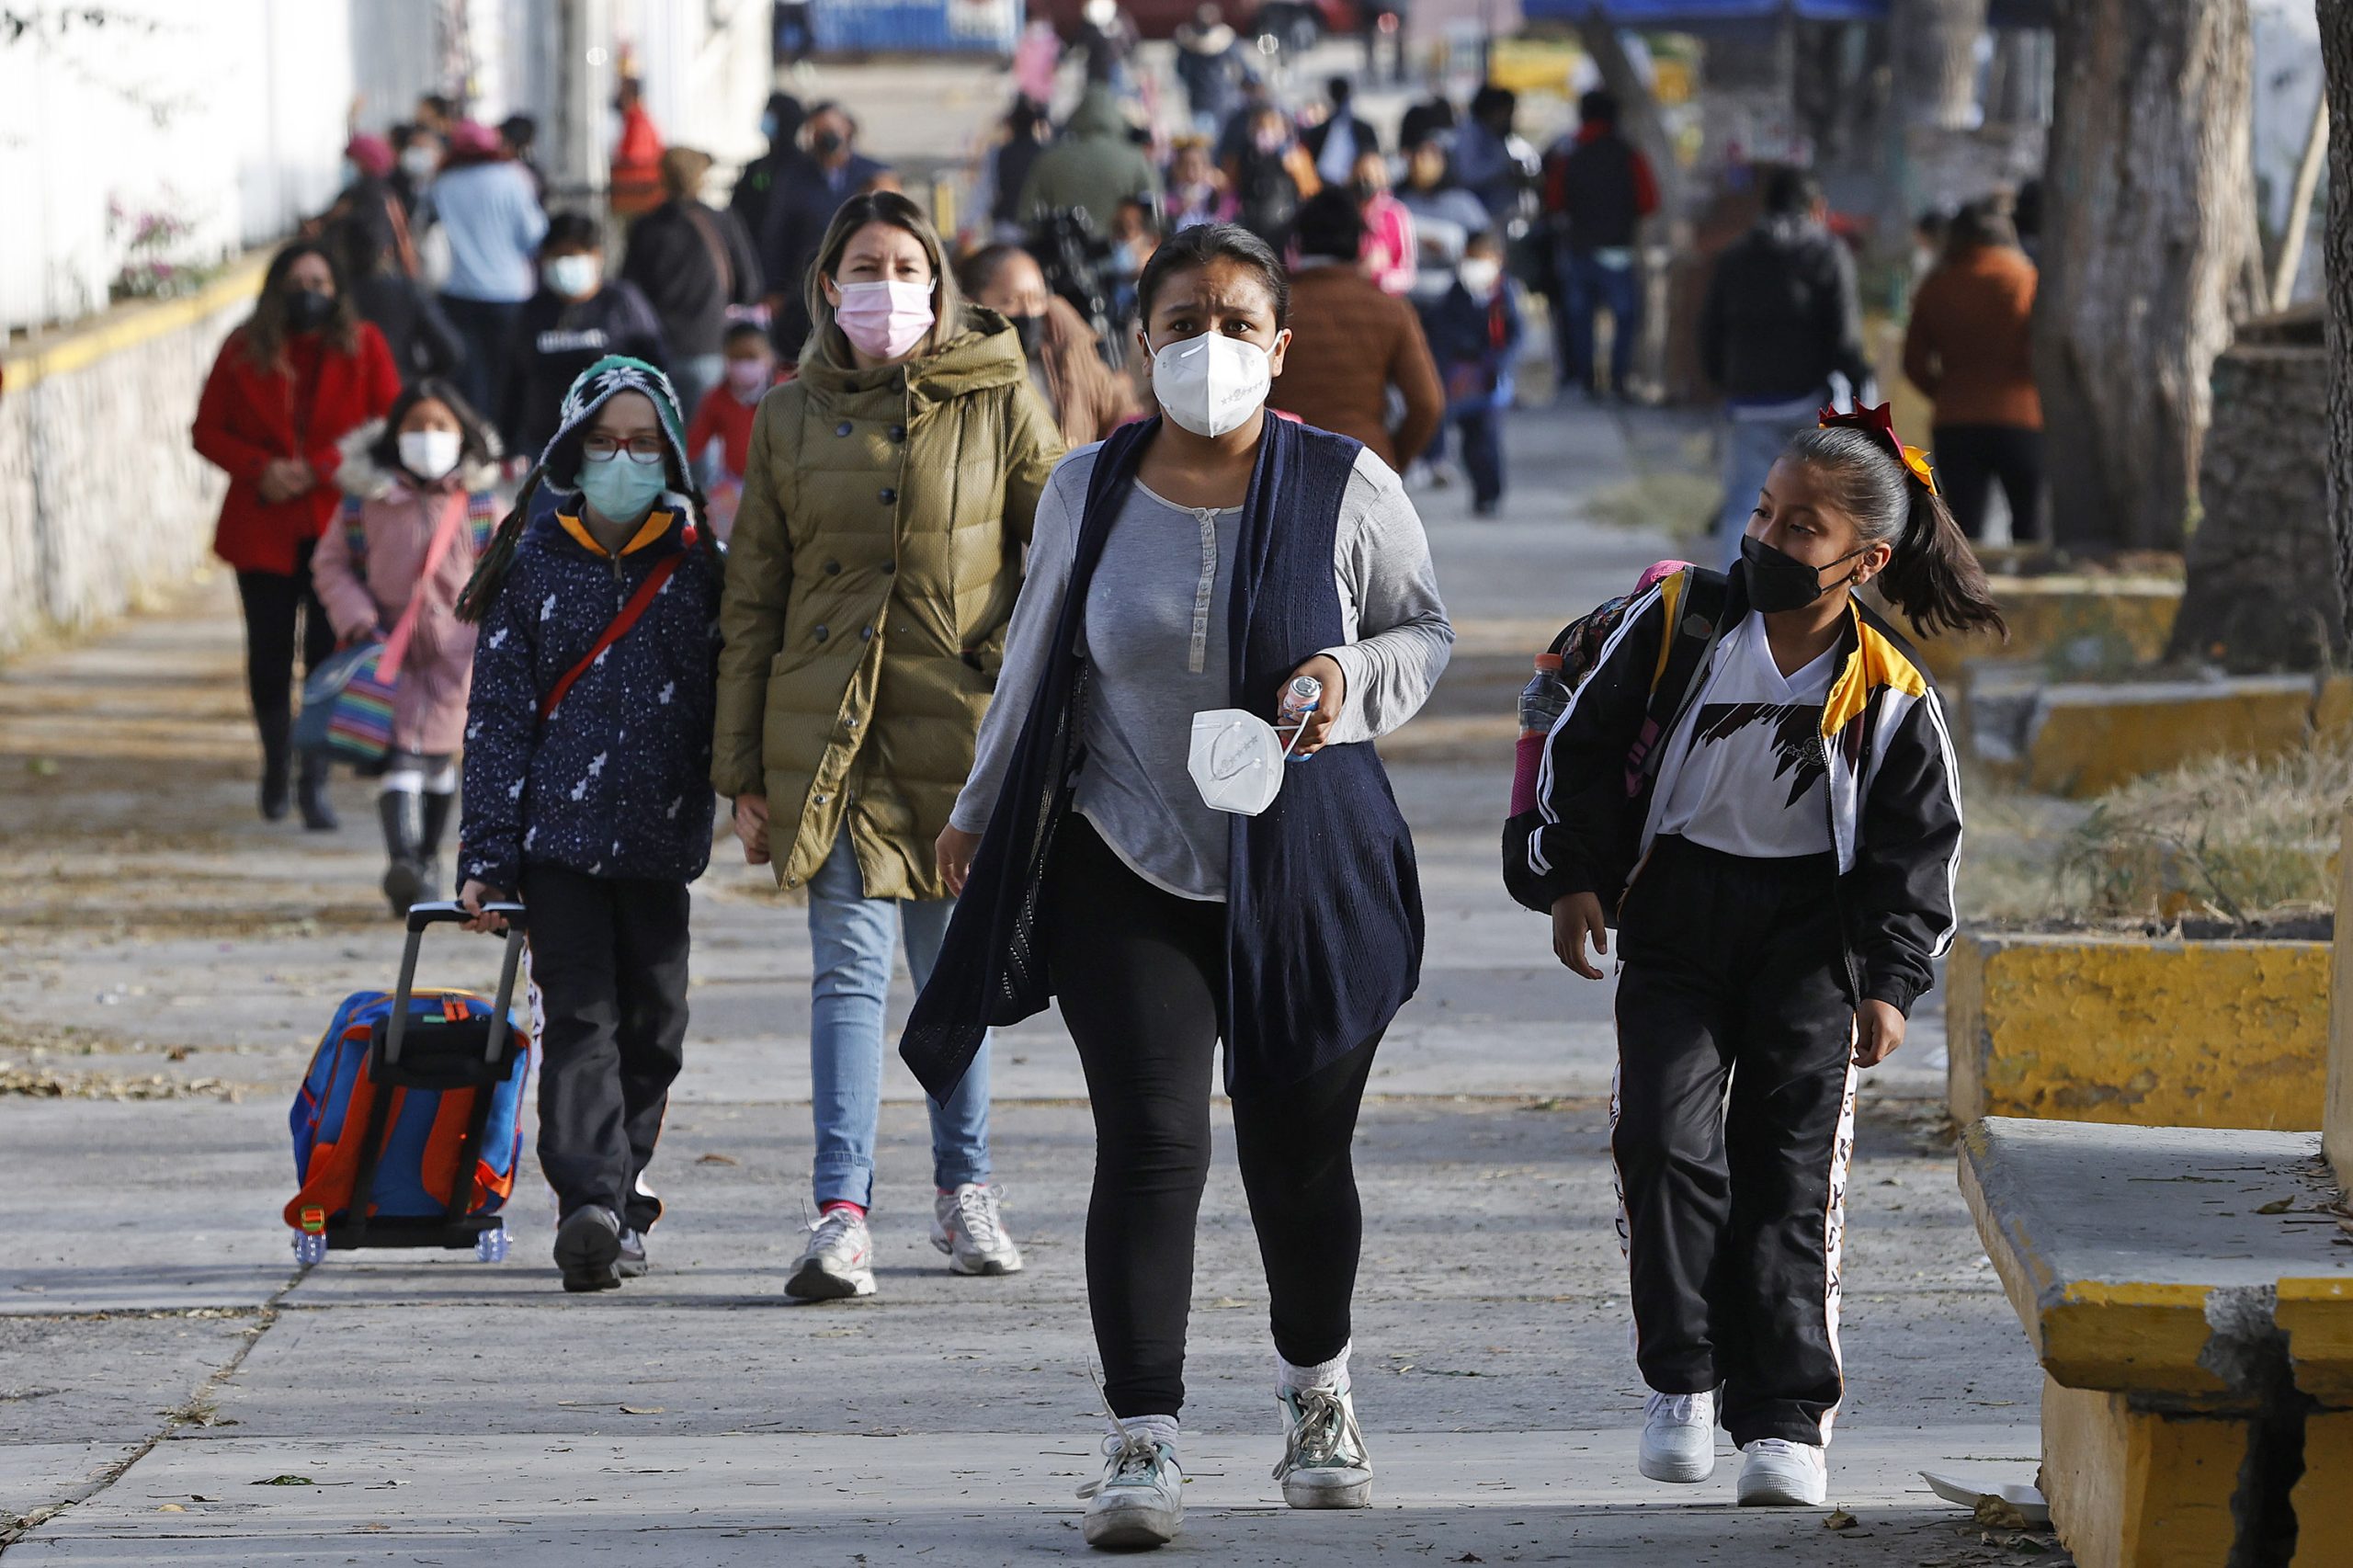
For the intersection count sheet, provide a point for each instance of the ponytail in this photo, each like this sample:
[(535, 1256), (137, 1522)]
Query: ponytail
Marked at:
[(1935, 578)]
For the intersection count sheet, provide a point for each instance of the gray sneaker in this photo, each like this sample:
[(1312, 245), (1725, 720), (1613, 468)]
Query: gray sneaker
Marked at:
[(1325, 1464), (1138, 1500), (632, 1260), (967, 1226), (838, 1261)]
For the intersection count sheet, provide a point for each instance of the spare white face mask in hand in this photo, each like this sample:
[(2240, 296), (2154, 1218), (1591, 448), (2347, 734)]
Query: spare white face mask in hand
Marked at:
[(1237, 760)]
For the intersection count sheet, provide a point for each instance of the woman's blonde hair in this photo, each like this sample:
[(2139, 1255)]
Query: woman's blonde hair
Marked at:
[(826, 343)]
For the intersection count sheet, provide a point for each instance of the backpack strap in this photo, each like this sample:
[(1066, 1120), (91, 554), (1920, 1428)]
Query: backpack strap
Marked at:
[(1694, 599), (482, 517), (614, 633), (355, 534)]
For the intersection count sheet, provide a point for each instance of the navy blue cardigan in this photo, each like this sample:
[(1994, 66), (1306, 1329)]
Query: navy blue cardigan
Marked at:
[(1324, 906)]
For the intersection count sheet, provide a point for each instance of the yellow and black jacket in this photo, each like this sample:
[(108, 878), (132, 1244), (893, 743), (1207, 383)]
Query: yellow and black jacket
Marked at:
[(1894, 793)]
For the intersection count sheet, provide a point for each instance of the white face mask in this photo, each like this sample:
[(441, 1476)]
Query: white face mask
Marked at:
[(1212, 383), (1480, 275), (575, 276), (418, 162), (429, 454), (1237, 760)]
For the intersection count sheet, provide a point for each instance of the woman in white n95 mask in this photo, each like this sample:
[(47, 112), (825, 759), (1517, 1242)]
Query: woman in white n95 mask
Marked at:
[(1198, 564)]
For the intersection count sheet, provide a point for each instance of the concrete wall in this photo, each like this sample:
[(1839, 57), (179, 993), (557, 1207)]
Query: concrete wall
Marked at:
[(226, 117), (103, 503)]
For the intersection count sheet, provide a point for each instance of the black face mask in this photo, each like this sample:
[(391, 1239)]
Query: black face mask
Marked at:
[(1780, 581), (1365, 189), (1032, 330), (307, 309), (825, 143)]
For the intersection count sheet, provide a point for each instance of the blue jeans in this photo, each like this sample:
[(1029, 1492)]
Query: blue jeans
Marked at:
[(1750, 448), (1588, 287), (487, 327), (853, 938)]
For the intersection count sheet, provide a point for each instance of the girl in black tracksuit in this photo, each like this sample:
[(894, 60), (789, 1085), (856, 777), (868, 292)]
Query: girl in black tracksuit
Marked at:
[(1780, 867)]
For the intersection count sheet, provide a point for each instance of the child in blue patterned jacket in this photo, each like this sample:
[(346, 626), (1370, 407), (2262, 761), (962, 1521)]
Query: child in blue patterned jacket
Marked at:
[(587, 785)]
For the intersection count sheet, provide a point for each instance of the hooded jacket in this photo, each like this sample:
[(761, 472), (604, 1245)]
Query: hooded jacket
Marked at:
[(1894, 793), (1781, 314), (1093, 167), (870, 578), (615, 781), (368, 569)]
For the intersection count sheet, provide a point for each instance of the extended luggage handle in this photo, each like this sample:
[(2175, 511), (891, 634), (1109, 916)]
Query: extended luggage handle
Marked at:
[(422, 916)]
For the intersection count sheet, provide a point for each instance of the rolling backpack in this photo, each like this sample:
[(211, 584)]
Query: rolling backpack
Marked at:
[(408, 1126)]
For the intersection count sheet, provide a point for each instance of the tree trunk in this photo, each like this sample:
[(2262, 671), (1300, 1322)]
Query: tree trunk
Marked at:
[(2147, 225), (1935, 45), (2336, 255)]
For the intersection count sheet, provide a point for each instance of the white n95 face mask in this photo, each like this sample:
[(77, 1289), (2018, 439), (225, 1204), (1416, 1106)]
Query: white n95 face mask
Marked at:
[(1212, 383), (1237, 760)]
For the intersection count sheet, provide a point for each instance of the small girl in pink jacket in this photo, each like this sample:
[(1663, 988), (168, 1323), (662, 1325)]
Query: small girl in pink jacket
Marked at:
[(1389, 243), (417, 492)]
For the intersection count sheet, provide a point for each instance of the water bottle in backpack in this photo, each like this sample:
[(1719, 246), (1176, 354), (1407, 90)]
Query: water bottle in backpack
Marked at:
[(1541, 703)]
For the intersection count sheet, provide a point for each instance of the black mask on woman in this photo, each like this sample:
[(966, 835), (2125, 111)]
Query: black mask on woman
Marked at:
[(1780, 581), (825, 143), (307, 309), (1032, 330), (1365, 189)]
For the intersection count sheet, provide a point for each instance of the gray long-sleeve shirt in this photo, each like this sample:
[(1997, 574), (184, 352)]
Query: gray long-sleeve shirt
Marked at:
[(1154, 639)]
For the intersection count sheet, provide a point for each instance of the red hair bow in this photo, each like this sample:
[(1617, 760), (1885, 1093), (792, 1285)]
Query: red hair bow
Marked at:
[(1879, 424)]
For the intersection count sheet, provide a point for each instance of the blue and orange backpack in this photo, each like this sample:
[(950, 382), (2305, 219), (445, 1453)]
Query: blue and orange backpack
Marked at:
[(408, 1126)]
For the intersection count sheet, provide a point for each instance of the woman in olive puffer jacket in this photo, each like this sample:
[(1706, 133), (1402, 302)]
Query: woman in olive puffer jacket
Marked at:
[(870, 579)]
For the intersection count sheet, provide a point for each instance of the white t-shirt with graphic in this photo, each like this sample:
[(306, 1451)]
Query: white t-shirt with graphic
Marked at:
[(1754, 779)]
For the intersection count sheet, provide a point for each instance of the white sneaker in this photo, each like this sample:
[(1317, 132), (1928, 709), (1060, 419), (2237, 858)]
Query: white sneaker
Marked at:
[(840, 1260), (1138, 1500), (1782, 1474), (1679, 1437), (1325, 1464), (965, 1225)]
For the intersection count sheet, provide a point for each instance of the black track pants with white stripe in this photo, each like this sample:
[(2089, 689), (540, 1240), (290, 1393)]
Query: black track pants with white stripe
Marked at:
[(1734, 1120)]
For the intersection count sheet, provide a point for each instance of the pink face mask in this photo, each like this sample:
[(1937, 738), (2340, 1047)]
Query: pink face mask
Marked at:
[(747, 378), (884, 320)]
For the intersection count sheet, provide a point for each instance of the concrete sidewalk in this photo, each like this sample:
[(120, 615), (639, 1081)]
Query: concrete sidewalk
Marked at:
[(170, 959)]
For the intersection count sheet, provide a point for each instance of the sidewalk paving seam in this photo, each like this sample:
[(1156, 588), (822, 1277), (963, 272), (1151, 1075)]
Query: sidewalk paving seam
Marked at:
[(189, 1414)]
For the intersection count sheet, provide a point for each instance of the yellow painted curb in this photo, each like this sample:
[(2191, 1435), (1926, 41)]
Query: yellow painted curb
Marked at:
[(2323, 1499), (127, 326), (2136, 1489), (2142, 1033), (2093, 737), (2336, 1128), (2072, 623)]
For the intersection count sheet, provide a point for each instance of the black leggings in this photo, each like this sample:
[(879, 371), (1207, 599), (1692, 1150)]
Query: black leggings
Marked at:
[(1141, 975), (274, 601), (1970, 458)]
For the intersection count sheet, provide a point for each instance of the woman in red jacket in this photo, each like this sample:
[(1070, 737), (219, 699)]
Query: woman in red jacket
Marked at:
[(288, 385)]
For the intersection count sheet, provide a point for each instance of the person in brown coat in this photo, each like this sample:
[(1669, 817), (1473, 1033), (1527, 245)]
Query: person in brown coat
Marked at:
[(1967, 348), (1351, 343), (1086, 399)]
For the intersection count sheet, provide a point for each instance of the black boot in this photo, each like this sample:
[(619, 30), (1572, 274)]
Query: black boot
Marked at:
[(276, 758), (403, 815), (311, 791), (437, 823)]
